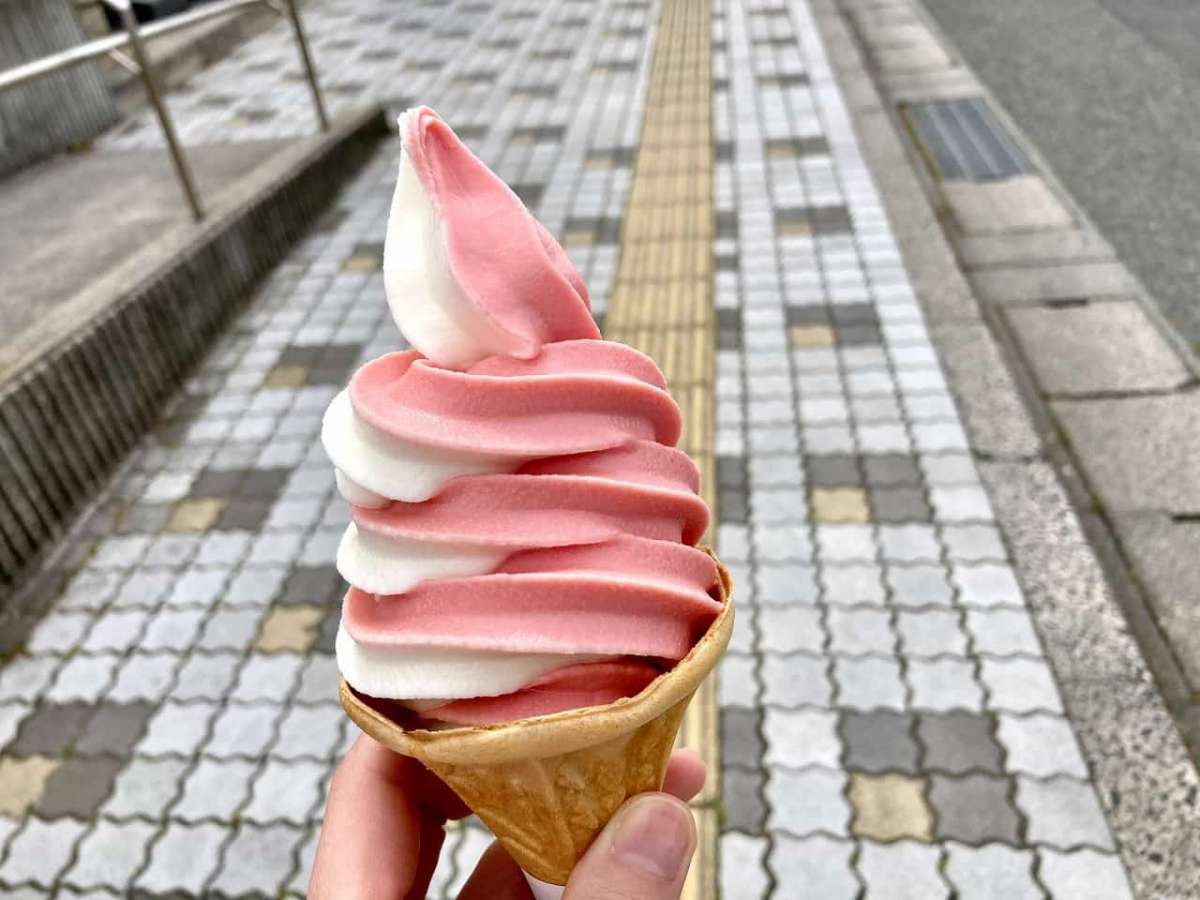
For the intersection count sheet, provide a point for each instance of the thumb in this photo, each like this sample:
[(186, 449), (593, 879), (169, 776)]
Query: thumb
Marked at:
[(642, 854)]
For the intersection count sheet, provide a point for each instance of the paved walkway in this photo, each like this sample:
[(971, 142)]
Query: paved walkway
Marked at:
[(888, 720)]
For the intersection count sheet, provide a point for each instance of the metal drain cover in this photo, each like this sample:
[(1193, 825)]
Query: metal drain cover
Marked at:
[(963, 139)]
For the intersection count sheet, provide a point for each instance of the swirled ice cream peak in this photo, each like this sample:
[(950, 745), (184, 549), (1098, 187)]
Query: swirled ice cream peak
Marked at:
[(469, 272)]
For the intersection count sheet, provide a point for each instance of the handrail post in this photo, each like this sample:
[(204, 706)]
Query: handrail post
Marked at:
[(309, 70), (125, 9)]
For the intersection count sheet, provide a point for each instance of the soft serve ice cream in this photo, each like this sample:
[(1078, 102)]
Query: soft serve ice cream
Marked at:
[(523, 527)]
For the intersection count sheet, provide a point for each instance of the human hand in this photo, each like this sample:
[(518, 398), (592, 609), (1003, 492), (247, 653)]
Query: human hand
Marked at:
[(384, 823)]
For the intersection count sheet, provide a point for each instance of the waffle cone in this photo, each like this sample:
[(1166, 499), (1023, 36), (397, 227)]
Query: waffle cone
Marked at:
[(547, 785)]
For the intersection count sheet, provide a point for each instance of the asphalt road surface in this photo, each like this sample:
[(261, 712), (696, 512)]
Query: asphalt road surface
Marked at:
[(1109, 92)]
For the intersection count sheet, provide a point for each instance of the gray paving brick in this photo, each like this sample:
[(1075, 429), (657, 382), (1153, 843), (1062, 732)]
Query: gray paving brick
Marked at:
[(308, 732), (737, 683), (243, 730), (1040, 744), (177, 728), (991, 872), (1062, 812), (1083, 873), (795, 680), (958, 742), (904, 870), (862, 630), (110, 855), (1002, 632), (214, 790), (144, 677), (50, 728), (804, 802), (779, 585), (803, 737), (743, 873), (114, 728), (818, 865), (1019, 685), (741, 800), (909, 543), (834, 470), (868, 683), (741, 740), (853, 585), (257, 859), (82, 677), (40, 851), (183, 858), (930, 632), (944, 684), (879, 741), (973, 808), (785, 629), (144, 788), (919, 586), (286, 791)]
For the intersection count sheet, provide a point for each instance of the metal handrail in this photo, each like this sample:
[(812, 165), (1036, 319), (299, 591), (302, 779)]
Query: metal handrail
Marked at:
[(134, 39)]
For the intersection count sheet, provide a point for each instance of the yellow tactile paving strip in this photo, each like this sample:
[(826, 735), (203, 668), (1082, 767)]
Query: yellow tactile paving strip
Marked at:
[(662, 301)]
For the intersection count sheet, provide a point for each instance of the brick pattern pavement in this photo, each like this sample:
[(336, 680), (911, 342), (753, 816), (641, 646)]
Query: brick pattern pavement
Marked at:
[(889, 721)]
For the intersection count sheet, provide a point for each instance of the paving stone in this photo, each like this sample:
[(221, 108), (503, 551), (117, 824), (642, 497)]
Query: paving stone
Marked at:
[(904, 870), (206, 676), (1083, 873), (807, 801), (1040, 744), (308, 731), (1002, 632), (145, 787), (931, 632), (741, 800), (50, 728), (1019, 685), (795, 679), (845, 543), (991, 872), (973, 808), (962, 503), (214, 790), (82, 677), (820, 864), (40, 851), (114, 728), (879, 741), (243, 730), (22, 782), (110, 855), (11, 715), (958, 742), (116, 631), (868, 683), (785, 629), (890, 807), (948, 469), (783, 585), (25, 677), (183, 858), (267, 677), (944, 684), (737, 683), (230, 629), (839, 504), (59, 632), (973, 543), (308, 854), (802, 738), (853, 585), (177, 728), (285, 791), (144, 677), (1062, 812), (144, 589), (909, 543), (919, 586), (78, 787), (197, 588), (834, 470), (987, 586), (173, 629), (257, 859), (858, 631), (742, 868)]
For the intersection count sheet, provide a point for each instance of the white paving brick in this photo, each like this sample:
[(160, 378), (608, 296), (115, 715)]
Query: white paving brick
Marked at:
[(1019, 685), (257, 859), (243, 730), (286, 791), (40, 851), (991, 872), (309, 731), (1063, 812), (1083, 873), (743, 872), (214, 790), (802, 738), (268, 676), (183, 858), (944, 684), (869, 683), (817, 865), (177, 728), (904, 870), (145, 787), (110, 855), (808, 801), (1040, 744)]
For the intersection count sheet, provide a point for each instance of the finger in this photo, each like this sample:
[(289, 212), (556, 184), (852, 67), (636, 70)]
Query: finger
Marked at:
[(685, 775), (496, 877), (382, 826), (642, 854)]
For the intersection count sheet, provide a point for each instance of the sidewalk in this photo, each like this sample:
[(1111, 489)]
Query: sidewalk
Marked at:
[(889, 720)]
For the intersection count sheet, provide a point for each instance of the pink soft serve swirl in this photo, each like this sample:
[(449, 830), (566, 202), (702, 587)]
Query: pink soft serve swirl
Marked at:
[(597, 517)]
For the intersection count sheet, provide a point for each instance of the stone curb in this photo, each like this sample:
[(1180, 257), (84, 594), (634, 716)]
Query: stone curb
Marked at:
[(1141, 765), (76, 400)]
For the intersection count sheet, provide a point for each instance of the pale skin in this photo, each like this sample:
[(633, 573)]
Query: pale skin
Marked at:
[(384, 829)]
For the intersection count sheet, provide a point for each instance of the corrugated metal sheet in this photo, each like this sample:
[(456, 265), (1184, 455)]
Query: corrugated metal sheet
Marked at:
[(965, 140)]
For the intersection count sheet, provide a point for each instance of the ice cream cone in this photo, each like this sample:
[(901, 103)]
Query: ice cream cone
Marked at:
[(546, 786)]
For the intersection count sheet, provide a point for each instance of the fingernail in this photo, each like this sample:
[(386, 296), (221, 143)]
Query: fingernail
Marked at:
[(654, 834)]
